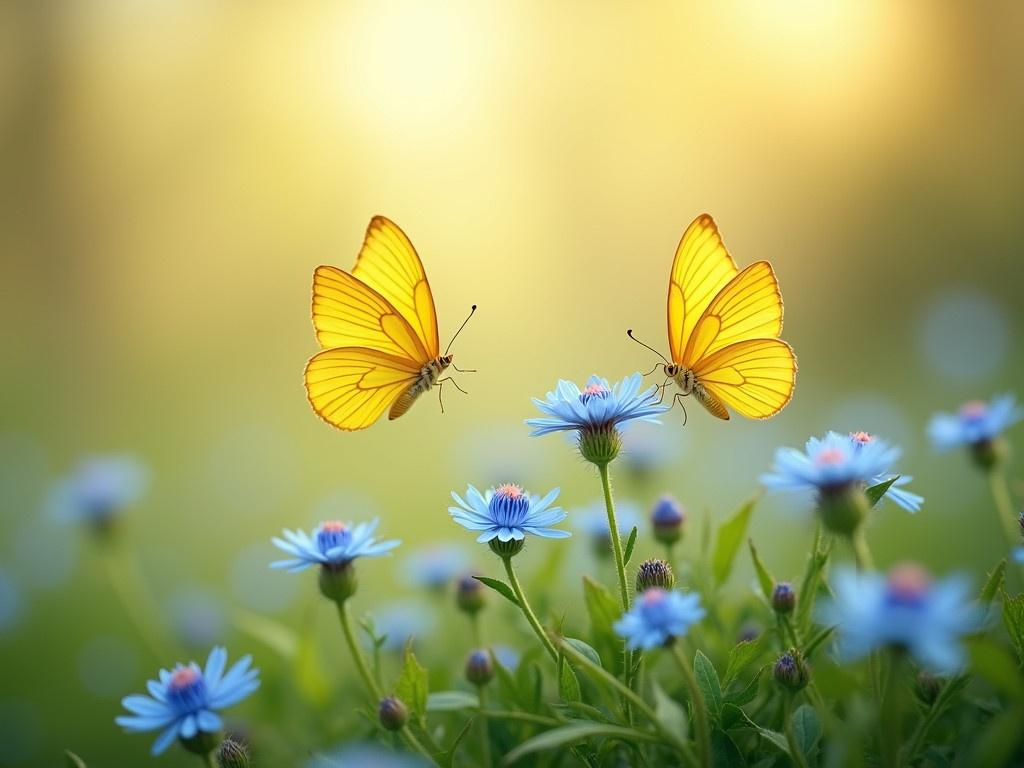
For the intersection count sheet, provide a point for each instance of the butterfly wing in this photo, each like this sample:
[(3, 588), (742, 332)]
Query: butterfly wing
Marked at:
[(389, 264), (351, 387), (755, 377), (748, 307), (349, 313), (702, 267)]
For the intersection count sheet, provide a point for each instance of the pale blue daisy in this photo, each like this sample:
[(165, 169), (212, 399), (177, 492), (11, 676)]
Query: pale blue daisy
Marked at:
[(333, 544), (597, 406), (98, 489), (508, 513), (976, 422), (658, 617)]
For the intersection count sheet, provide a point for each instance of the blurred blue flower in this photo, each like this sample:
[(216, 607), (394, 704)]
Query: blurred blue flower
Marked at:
[(1018, 555), (646, 447), (976, 422), (837, 461), (332, 543), (508, 513), (904, 609), (366, 756), (184, 701), (593, 519), (657, 617), (506, 656), (597, 406), (97, 489), (435, 566), (197, 616), (401, 621)]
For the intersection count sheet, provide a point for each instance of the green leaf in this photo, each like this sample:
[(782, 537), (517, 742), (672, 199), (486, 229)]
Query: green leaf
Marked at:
[(999, 739), (500, 587), (603, 609), (734, 717), (817, 639), (448, 758), (450, 701), (73, 760), (764, 578), (749, 693), (412, 685), (876, 492), (630, 543), (742, 655), (585, 649), (568, 685), (806, 730), (569, 734), (707, 681), (1013, 618), (816, 563), (276, 636), (994, 583), (730, 537), (670, 713), (724, 752), (993, 663)]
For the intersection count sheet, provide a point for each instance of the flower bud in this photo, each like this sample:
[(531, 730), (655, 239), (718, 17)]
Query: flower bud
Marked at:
[(338, 582), (783, 598), (469, 595), (928, 686), (667, 520), (791, 671), (504, 549), (843, 509), (393, 713), (203, 743), (1020, 522), (600, 445), (987, 454), (749, 632), (232, 754), (479, 667), (654, 573)]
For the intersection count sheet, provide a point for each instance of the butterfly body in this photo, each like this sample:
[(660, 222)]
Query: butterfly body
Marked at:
[(377, 327), (723, 329), (430, 374)]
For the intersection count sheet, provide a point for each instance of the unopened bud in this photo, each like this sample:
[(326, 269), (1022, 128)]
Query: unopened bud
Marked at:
[(393, 713), (791, 671), (654, 573), (783, 598), (479, 667)]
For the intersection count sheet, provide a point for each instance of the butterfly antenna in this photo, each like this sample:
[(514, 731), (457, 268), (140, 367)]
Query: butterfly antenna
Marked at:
[(471, 311), (648, 346)]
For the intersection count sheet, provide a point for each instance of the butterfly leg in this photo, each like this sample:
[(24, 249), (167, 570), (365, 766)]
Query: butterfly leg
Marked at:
[(463, 370), (678, 397), (656, 367), (661, 390)]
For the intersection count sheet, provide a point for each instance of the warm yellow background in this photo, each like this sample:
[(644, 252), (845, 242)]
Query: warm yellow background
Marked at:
[(174, 170)]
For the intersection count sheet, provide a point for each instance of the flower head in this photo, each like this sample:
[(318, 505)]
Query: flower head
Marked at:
[(595, 413), (507, 513), (667, 518), (977, 425), (905, 609), (654, 572), (400, 622), (98, 489), (184, 702), (658, 617), (332, 544), (791, 671)]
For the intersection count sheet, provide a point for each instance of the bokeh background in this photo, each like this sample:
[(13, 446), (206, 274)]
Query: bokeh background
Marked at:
[(174, 170)]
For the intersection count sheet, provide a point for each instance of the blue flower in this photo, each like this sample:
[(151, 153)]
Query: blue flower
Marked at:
[(597, 406), (333, 544), (506, 656), (657, 617), (185, 700), (508, 513), (975, 423), (905, 610), (401, 621), (98, 489), (840, 461), (434, 567), (1018, 555)]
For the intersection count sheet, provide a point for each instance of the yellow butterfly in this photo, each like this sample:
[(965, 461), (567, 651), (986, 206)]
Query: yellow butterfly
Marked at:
[(378, 330), (723, 329)]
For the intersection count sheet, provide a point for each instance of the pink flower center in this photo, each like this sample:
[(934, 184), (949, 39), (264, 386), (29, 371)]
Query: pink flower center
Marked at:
[(830, 457), (908, 583), (863, 438), (509, 491), (333, 526), (183, 678), (975, 409), (654, 596), (593, 390)]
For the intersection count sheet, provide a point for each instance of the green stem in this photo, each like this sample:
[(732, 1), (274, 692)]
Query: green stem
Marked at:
[(485, 736), (700, 712), (210, 759), (526, 717), (891, 731), (794, 748), (620, 567), (788, 633), (1004, 506), (930, 718), (128, 584), (641, 706), (478, 635), (370, 683), (531, 617), (861, 553)]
